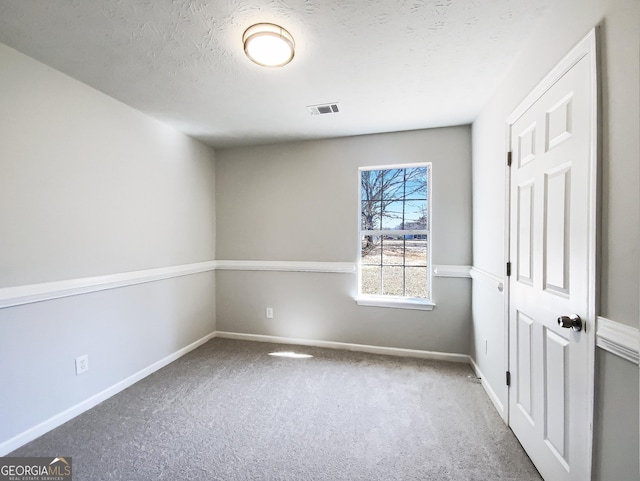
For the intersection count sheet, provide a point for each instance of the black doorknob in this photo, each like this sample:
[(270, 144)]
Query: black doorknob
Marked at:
[(571, 322)]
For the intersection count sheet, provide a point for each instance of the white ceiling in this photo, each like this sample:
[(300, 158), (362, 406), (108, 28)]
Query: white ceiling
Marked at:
[(392, 65)]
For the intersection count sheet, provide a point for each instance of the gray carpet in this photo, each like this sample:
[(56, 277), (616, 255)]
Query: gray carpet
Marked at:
[(229, 411)]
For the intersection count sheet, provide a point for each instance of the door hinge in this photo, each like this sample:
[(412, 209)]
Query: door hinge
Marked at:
[(508, 269), (509, 159), (508, 378)]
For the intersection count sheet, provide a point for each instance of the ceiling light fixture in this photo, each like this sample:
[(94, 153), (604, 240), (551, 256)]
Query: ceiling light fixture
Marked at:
[(268, 45)]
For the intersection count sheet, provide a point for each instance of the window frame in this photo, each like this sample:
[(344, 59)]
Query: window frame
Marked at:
[(401, 302)]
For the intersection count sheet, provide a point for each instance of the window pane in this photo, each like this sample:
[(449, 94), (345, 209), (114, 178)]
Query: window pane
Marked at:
[(415, 251), (416, 282), (395, 200), (370, 215), (393, 250), (416, 185), (415, 214), (371, 280), (393, 184), (371, 184), (392, 281), (371, 249), (392, 215)]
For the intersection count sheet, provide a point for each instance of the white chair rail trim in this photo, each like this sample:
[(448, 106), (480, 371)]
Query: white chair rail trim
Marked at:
[(288, 266), (618, 339), (451, 271), (27, 294), (482, 275)]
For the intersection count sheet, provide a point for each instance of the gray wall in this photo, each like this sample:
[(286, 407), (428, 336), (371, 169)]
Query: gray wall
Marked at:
[(299, 202), (564, 26), (616, 423), (89, 186)]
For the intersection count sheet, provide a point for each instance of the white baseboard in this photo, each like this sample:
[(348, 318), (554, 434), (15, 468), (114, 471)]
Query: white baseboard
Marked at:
[(61, 418), (390, 351), (490, 392)]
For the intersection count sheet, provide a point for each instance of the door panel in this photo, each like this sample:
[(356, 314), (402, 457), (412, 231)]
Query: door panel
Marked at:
[(557, 373), (558, 122), (525, 233), (527, 145), (556, 228), (523, 370)]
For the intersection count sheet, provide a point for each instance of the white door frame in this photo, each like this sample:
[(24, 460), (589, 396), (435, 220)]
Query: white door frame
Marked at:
[(587, 47)]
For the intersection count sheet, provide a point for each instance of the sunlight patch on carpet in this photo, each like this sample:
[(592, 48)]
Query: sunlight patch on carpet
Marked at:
[(291, 354)]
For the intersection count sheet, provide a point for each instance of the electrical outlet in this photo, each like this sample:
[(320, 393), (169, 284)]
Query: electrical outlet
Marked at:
[(269, 313), (82, 364)]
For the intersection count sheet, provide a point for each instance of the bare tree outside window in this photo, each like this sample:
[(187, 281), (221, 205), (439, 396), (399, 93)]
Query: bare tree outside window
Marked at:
[(394, 231)]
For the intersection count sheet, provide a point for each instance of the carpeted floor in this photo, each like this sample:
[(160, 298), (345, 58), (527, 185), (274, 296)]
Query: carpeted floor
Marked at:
[(229, 411)]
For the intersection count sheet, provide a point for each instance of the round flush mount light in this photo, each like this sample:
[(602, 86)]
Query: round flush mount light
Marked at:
[(268, 45)]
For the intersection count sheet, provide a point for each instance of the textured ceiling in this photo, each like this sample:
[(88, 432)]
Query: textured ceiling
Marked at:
[(392, 65)]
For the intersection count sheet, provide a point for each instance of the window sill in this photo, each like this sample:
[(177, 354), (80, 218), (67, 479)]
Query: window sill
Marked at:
[(396, 302)]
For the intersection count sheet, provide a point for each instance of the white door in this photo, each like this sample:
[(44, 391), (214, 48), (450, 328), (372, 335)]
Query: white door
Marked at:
[(552, 253)]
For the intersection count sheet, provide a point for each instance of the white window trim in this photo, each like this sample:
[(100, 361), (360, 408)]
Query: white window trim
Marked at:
[(395, 301)]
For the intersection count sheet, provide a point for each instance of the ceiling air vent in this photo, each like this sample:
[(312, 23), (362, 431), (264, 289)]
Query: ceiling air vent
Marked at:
[(323, 109)]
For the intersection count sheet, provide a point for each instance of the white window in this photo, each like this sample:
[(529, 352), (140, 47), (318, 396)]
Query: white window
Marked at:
[(395, 239)]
